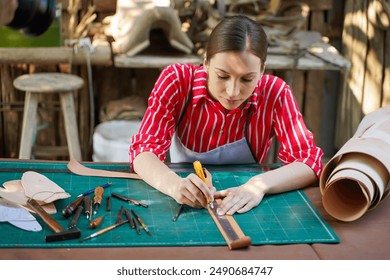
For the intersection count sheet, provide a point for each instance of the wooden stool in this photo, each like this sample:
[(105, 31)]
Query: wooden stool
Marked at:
[(49, 83)]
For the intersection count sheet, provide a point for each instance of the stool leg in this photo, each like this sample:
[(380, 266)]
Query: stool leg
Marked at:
[(72, 134), (29, 125)]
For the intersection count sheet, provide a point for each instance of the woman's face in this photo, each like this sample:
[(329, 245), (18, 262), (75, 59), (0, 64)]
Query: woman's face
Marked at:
[(232, 77)]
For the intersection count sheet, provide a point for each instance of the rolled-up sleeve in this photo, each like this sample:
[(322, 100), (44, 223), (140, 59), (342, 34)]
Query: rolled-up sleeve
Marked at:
[(296, 140)]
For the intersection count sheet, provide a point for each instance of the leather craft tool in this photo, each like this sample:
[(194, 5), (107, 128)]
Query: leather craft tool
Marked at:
[(226, 224), (128, 199), (60, 234), (108, 205), (136, 226), (140, 222), (87, 206), (201, 174), (76, 217), (120, 214), (100, 232), (93, 190), (96, 222), (179, 210), (131, 221), (97, 199), (71, 207)]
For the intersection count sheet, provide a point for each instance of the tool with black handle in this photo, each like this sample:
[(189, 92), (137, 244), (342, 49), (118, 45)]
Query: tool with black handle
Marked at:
[(72, 207), (60, 234), (87, 207), (128, 199), (76, 217)]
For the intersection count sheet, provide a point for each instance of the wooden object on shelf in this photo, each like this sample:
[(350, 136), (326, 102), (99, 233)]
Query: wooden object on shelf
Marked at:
[(56, 55)]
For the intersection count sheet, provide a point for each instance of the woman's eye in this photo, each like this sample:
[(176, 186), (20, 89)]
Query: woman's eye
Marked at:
[(223, 77), (247, 80)]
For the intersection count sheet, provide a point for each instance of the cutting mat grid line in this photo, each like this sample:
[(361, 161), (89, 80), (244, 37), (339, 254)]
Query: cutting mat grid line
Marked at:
[(280, 219)]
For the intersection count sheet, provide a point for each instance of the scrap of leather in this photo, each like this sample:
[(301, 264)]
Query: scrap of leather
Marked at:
[(77, 168), (41, 188), (18, 216), (14, 192)]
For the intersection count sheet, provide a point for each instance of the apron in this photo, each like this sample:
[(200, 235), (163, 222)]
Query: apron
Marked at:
[(238, 152)]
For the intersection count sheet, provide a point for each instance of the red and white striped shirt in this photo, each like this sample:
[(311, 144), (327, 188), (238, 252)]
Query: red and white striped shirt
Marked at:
[(206, 124)]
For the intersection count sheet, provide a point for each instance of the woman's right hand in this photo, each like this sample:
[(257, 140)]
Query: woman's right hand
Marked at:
[(192, 191)]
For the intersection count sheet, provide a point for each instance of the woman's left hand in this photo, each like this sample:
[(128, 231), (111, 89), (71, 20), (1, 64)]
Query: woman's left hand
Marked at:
[(239, 199)]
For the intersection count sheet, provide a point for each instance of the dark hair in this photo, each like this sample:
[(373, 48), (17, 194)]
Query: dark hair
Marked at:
[(238, 33)]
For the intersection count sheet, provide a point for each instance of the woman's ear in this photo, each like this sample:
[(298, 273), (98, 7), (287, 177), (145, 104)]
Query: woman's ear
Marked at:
[(205, 63), (262, 68)]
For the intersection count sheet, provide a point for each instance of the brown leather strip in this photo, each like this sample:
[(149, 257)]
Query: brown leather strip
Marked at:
[(77, 168), (230, 230)]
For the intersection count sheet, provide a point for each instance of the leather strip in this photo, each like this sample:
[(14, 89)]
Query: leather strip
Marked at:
[(230, 230), (77, 168)]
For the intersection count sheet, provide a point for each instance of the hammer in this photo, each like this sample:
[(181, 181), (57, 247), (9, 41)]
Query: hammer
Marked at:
[(60, 234)]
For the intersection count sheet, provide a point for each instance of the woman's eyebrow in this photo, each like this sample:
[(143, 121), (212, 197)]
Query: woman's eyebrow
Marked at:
[(249, 73)]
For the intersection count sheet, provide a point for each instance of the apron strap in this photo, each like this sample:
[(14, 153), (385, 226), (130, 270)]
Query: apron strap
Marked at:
[(246, 132)]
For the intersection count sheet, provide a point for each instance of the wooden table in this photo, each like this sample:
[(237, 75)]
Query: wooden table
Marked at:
[(364, 239)]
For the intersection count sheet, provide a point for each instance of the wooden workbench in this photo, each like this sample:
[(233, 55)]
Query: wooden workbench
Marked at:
[(364, 239)]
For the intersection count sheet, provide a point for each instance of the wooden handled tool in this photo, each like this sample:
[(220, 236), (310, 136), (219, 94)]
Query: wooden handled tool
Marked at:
[(226, 224), (96, 222), (60, 233), (97, 200), (71, 208), (100, 232)]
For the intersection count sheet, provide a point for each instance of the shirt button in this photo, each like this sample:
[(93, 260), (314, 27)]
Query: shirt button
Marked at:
[(221, 131)]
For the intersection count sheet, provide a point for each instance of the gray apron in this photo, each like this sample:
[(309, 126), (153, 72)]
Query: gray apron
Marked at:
[(238, 152), (232, 153)]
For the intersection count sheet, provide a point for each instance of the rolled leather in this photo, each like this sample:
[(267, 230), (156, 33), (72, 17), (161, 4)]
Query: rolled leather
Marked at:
[(356, 179)]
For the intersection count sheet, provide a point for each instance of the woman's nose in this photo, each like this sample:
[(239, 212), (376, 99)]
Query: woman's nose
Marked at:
[(233, 89)]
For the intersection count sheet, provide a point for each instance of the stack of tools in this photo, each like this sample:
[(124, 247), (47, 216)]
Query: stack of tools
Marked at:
[(35, 193), (131, 219), (89, 206), (357, 178)]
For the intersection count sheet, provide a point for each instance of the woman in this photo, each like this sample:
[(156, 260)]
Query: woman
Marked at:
[(224, 112)]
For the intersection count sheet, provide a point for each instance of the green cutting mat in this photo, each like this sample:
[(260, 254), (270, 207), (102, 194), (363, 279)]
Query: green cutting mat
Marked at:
[(280, 219)]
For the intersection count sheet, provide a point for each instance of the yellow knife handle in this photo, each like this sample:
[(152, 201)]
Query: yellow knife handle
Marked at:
[(199, 170)]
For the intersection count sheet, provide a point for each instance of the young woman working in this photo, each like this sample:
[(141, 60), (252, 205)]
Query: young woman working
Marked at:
[(225, 111)]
